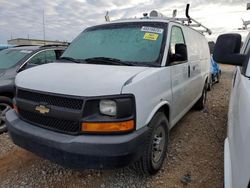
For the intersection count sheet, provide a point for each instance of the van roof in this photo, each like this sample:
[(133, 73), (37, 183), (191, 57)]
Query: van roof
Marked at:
[(155, 16), (163, 20)]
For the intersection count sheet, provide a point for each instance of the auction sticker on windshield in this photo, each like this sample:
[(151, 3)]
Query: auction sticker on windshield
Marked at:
[(151, 36), (152, 29)]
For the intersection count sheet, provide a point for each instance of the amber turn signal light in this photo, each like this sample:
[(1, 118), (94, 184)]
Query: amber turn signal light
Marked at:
[(99, 127)]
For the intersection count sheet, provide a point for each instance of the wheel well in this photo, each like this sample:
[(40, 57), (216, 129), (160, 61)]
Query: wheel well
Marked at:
[(7, 94), (166, 110), (206, 81)]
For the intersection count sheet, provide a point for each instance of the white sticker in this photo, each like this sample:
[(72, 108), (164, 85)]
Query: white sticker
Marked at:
[(152, 29), (25, 51)]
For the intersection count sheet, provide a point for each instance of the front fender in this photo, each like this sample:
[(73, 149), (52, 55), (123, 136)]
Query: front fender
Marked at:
[(155, 109)]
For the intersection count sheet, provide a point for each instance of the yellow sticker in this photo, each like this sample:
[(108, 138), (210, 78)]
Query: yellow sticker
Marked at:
[(151, 36)]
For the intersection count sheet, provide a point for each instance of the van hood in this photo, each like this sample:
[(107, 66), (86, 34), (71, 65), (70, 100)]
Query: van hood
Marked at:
[(77, 79)]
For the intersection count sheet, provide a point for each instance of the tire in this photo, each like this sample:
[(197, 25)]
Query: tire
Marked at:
[(155, 146), (218, 77), (200, 104), (5, 105), (209, 84)]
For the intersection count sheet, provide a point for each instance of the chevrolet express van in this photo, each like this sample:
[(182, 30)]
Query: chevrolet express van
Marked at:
[(112, 101)]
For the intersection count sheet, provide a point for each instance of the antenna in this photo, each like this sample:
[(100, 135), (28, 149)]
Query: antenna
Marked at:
[(247, 22), (196, 23), (187, 13), (188, 20), (174, 13), (107, 19)]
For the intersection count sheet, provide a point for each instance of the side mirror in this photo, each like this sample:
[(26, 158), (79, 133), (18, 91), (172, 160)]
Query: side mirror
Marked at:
[(227, 50), (180, 53)]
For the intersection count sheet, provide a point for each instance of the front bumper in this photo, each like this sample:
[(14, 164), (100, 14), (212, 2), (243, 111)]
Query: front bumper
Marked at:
[(81, 151)]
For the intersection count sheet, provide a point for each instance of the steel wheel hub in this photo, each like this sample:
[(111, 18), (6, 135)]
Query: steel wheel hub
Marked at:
[(158, 144)]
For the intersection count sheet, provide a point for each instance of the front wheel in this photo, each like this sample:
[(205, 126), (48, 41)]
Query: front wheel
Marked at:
[(156, 146), (5, 105)]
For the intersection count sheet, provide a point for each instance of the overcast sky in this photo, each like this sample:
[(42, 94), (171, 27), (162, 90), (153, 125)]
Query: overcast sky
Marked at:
[(65, 19)]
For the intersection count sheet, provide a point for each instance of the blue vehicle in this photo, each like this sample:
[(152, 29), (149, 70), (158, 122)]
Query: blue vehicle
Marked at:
[(215, 71), (4, 46)]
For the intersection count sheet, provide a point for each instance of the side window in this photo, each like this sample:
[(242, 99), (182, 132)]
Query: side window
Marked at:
[(50, 56), (176, 38), (177, 48), (43, 57)]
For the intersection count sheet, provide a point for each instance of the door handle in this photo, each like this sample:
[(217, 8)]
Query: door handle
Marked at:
[(188, 71)]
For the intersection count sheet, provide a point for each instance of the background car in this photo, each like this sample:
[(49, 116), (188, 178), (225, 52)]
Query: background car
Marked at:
[(215, 71), (14, 60), (5, 46)]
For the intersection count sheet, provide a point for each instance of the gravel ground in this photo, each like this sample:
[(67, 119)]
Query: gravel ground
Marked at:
[(195, 150), (5, 145)]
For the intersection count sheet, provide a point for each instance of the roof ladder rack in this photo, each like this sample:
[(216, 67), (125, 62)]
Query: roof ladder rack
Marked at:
[(185, 21), (192, 22)]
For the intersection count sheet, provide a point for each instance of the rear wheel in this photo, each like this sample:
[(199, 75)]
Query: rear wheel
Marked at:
[(200, 104), (210, 83), (5, 105), (218, 77), (156, 146)]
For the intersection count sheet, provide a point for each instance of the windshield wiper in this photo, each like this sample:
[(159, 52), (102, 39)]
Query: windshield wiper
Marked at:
[(107, 60), (73, 60)]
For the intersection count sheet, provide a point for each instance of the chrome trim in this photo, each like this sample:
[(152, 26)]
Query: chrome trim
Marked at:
[(32, 57)]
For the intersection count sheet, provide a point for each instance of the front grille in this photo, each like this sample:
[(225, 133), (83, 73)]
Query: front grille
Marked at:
[(49, 99), (52, 123)]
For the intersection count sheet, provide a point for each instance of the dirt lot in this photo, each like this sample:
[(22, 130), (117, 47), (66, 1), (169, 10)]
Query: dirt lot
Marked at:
[(196, 149)]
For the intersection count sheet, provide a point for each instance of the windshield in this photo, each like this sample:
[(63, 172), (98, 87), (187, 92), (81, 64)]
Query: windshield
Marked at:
[(138, 42), (10, 57)]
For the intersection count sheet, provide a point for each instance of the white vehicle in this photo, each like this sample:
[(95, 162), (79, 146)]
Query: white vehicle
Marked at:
[(120, 88), (236, 148)]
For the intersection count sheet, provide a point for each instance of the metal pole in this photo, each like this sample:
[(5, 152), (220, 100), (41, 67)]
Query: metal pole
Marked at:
[(43, 28)]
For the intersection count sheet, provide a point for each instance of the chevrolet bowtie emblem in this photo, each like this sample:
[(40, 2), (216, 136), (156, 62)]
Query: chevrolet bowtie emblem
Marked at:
[(42, 109)]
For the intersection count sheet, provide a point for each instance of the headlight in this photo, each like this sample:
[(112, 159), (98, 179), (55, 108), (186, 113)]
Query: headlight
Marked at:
[(109, 115), (108, 107)]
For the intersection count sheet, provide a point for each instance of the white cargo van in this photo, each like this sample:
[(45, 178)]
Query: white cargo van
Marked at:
[(236, 148), (119, 89)]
